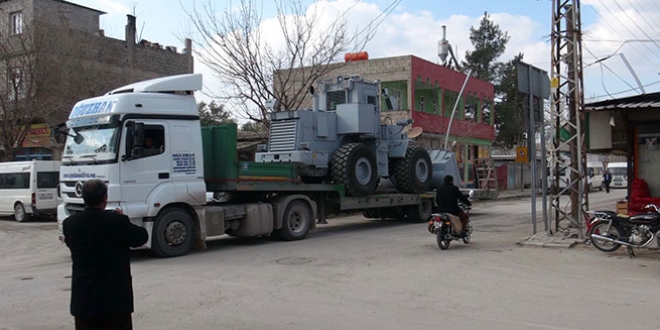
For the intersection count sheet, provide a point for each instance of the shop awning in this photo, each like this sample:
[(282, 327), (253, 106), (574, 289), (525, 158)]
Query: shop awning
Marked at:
[(642, 101)]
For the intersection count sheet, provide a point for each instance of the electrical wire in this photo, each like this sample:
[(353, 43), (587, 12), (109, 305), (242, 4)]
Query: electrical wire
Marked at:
[(608, 27), (602, 81), (622, 92), (387, 11), (602, 75), (635, 23), (656, 4), (650, 24)]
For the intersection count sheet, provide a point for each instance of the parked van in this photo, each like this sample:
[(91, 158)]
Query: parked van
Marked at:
[(29, 188), (595, 172), (619, 171)]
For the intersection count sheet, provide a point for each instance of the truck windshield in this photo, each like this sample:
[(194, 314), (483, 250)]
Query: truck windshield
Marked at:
[(98, 143)]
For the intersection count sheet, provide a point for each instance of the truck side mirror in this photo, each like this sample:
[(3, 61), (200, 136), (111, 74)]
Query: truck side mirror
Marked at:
[(128, 153), (78, 138), (134, 139)]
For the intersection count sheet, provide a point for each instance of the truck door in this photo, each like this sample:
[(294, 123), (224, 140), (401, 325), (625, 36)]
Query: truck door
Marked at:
[(147, 168)]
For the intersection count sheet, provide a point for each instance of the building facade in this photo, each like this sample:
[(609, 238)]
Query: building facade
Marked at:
[(630, 128), (57, 55)]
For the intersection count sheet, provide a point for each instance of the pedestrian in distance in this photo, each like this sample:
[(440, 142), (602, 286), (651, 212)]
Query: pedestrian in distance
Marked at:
[(100, 242), (607, 179)]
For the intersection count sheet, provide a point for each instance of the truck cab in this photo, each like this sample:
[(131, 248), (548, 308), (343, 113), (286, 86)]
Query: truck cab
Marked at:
[(108, 139)]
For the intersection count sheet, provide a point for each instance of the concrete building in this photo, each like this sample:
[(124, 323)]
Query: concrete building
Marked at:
[(426, 92), (68, 59)]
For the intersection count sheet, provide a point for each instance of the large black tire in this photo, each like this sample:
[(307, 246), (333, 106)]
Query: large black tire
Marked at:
[(19, 213), (443, 243), (354, 166), (420, 213), (173, 233), (413, 173), (601, 229), (297, 221)]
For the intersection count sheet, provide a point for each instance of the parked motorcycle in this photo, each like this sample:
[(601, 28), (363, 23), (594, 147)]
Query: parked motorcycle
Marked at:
[(609, 231), (444, 226)]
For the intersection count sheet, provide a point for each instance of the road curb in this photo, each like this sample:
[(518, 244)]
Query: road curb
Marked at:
[(544, 240)]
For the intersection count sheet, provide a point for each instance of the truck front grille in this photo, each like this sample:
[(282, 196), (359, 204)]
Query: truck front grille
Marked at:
[(282, 135)]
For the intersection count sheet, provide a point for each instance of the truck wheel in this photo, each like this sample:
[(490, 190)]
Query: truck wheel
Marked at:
[(354, 166), (420, 213), (413, 173), (296, 222), (173, 233), (19, 212)]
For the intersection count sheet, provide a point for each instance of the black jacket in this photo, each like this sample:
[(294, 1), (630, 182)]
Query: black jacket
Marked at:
[(100, 243), (447, 198)]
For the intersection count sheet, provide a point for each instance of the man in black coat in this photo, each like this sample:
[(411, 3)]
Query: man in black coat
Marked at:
[(100, 242), (447, 198)]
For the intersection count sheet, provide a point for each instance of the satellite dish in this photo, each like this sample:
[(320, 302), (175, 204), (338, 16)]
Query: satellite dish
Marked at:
[(415, 132)]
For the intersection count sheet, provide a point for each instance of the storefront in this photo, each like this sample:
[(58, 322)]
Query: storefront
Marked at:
[(37, 145), (629, 126)]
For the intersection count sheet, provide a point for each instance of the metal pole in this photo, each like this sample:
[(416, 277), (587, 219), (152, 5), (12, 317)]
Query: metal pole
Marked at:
[(458, 99), (544, 174), (522, 178), (531, 135)]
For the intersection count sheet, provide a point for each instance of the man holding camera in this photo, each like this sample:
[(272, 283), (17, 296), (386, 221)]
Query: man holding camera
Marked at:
[(100, 242)]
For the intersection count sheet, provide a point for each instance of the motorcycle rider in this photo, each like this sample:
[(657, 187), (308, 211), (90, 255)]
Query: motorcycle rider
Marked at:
[(447, 199)]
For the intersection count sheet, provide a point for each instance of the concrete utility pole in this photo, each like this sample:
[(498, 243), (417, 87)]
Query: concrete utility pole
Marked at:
[(566, 111)]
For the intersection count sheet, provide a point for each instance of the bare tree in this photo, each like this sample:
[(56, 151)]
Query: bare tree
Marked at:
[(234, 46), (46, 71), (24, 98)]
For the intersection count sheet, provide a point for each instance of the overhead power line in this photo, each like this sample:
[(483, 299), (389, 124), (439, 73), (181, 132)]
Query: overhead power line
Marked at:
[(644, 13), (609, 28), (635, 22)]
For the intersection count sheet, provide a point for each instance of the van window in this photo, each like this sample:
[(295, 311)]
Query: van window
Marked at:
[(618, 170), (47, 179), (597, 170), (14, 180)]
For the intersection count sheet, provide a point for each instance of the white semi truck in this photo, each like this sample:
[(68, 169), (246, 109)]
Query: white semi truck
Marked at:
[(145, 141)]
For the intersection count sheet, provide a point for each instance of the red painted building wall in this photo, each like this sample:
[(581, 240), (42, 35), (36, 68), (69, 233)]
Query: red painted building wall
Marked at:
[(445, 78)]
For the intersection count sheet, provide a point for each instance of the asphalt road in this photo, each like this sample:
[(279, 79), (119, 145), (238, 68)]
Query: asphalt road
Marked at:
[(354, 274)]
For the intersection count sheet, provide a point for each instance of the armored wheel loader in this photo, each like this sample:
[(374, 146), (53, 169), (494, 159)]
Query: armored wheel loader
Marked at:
[(341, 140)]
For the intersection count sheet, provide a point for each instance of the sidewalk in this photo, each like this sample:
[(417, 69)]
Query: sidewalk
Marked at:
[(510, 194), (541, 239)]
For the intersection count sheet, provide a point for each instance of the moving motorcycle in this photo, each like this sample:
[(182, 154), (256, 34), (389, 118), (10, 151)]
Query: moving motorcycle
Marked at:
[(465, 207), (447, 227), (609, 231)]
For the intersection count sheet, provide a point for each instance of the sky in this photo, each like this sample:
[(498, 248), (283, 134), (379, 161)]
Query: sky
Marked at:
[(614, 31)]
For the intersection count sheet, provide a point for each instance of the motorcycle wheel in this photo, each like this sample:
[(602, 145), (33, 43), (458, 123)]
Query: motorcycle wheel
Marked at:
[(601, 229), (443, 243), (466, 239)]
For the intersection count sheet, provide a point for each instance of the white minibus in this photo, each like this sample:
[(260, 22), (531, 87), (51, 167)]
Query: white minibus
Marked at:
[(619, 171), (29, 188)]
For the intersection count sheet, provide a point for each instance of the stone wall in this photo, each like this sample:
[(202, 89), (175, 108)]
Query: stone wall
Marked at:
[(59, 13), (74, 60)]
